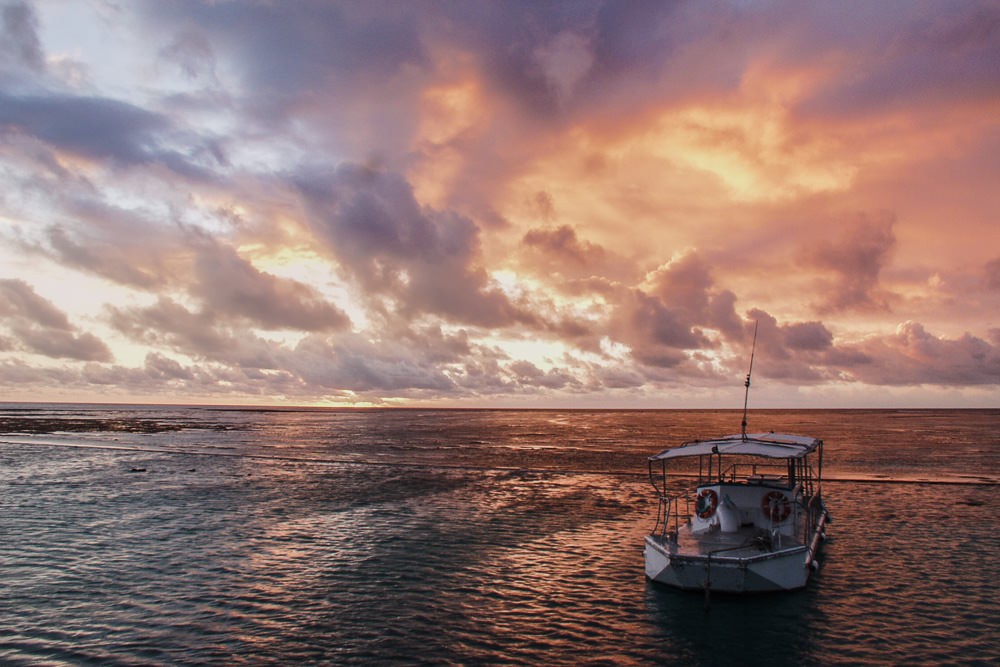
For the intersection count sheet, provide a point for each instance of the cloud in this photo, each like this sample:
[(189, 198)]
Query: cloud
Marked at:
[(563, 245), (231, 286), (509, 199), (161, 374), (528, 374), (131, 250), (192, 52), (120, 260), (18, 373), (672, 313), (63, 344), (19, 43), (801, 352), (359, 365), (914, 356), (573, 265), (20, 300), (992, 271), (426, 260), (166, 368), (807, 352), (929, 60), (38, 326), (854, 262), (811, 336), (106, 129), (200, 335), (289, 55), (565, 61), (635, 36), (317, 365)]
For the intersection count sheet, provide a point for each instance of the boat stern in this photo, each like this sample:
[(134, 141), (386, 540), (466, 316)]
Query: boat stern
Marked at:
[(781, 571)]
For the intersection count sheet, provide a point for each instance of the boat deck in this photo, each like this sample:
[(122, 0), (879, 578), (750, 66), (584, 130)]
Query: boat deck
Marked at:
[(746, 542)]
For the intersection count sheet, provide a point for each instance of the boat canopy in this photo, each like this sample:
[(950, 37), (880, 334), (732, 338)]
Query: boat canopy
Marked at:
[(769, 445)]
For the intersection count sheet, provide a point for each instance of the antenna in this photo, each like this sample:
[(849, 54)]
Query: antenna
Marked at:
[(746, 395)]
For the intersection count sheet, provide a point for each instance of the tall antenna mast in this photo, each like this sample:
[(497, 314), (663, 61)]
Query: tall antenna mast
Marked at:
[(746, 395)]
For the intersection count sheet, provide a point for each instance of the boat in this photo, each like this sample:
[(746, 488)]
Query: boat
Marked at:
[(739, 513)]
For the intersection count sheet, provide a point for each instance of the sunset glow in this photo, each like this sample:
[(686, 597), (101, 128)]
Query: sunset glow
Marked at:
[(500, 203)]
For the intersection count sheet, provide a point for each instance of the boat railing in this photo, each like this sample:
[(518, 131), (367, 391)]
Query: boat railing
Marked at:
[(808, 512), (670, 516), (818, 518)]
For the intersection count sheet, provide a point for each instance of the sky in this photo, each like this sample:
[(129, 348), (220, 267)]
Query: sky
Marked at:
[(479, 203)]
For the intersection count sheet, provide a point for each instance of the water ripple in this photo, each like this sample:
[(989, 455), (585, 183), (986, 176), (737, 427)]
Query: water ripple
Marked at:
[(218, 559)]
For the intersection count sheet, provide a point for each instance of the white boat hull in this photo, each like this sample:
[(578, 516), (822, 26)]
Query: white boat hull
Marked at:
[(782, 570)]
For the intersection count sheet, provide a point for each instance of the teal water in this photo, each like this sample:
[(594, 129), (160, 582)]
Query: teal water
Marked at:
[(148, 536)]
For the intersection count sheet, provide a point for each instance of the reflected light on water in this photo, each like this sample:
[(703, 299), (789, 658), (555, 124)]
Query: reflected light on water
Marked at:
[(467, 537)]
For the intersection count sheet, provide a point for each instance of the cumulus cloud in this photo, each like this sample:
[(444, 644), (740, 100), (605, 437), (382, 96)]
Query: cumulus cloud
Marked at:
[(427, 260), (198, 334), (807, 352), (572, 264), (914, 356), (528, 374), (118, 259), (20, 300), (230, 285), (563, 245), (795, 351), (854, 261), (674, 312), (400, 362), (38, 326), (127, 249), (356, 364), (165, 368)]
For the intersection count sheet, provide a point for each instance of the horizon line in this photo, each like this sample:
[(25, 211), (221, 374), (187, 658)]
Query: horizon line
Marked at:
[(510, 408)]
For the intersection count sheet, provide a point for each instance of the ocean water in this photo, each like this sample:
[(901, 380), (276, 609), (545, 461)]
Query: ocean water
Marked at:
[(206, 536)]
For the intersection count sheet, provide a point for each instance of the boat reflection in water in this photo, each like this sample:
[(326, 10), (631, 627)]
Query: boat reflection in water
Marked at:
[(752, 522)]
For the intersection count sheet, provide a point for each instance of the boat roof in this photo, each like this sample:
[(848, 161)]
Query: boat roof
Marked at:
[(769, 445)]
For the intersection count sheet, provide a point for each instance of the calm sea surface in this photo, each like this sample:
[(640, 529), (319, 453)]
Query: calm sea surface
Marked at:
[(165, 536)]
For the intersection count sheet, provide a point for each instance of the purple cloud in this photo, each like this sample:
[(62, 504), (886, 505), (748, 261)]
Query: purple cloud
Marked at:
[(18, 299), (663, 321), (371, 223), (992, 274), (562, 243), (107, 129), (19, 41), (918, 59), (855, 261), (116, 259), (201, 335), (38, 326), (231, 286), (914, 356), (288, 53)]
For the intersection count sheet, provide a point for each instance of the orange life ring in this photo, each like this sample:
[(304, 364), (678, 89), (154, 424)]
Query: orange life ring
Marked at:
[(706, 503), (776, 506)]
